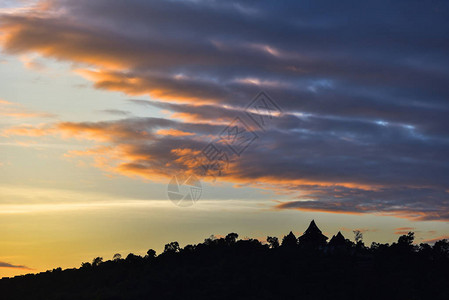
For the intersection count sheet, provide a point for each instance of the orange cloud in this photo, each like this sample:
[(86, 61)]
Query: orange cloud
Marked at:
[(101, 132), (287, 183), (27, 130), (433, 240), (22, 33), (173, 132), (353, 209), (114, 60), (17, 111), (160, 88), (403, 230), (322, 210), (197, 118), (415, 215), (141, 148)]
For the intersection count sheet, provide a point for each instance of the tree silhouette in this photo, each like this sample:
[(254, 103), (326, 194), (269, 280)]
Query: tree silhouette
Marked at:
[(97, 261), (406, 240), (132, 258), (172, 247), (273, 242), (210, 240), (231, 238), (189, 248), (151, 253), (442, 247), (358, 236)]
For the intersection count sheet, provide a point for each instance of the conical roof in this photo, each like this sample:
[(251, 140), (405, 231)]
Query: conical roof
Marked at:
[(313, 234), (337, 240)]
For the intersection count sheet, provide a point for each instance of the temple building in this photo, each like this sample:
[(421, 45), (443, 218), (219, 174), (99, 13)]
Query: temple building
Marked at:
[(337, 240), (339, 245), (312, 236)]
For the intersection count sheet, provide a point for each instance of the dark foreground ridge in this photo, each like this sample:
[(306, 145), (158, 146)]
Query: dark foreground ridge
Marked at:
[(307, 267)]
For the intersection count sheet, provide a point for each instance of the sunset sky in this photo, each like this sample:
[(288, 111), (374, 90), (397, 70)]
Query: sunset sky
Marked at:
[(103, 102)]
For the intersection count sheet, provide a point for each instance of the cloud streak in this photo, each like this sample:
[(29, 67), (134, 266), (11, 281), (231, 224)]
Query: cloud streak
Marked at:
[(17, 111), (8, 265)]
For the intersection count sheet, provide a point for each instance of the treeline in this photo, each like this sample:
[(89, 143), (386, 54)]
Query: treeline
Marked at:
[(229, 268)]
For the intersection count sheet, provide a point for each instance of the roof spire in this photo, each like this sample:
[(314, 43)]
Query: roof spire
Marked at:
[(313, 235)]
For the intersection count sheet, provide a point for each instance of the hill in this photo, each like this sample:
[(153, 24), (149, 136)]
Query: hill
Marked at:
[(228, 268)]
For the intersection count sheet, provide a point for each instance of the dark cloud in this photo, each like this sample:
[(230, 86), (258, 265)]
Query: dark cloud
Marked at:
[(8, 265), (413, 203), (363, 87), (116, 112)]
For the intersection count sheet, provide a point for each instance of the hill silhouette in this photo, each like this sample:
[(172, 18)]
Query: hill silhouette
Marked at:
[(228, 268)]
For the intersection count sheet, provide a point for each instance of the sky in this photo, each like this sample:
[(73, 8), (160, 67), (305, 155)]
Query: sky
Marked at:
[(343, 104)]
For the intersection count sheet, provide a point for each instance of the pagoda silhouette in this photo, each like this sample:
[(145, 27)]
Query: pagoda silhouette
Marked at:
[(312, 237), (337, 240)]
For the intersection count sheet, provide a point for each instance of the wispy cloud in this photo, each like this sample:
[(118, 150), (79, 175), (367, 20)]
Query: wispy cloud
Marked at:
[(18, 111), (8, 265), (433, 240), (403, 230), (116, 112)]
